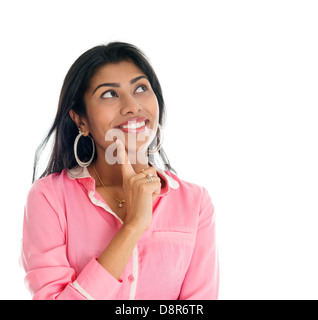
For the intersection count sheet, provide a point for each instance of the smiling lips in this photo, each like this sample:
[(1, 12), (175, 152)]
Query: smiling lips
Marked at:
[(134, 125)]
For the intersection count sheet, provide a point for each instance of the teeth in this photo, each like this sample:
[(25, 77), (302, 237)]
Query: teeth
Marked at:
[(134, 125)]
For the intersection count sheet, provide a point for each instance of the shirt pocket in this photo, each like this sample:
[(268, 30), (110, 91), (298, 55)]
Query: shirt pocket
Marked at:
[(178, 237), (175, 245), (173, 249)]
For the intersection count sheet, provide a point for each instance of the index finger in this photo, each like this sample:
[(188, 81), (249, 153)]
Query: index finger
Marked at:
[(126, 167)]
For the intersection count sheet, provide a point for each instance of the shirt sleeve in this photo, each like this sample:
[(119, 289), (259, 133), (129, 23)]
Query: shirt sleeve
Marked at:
[(49, 275), (202, 278)]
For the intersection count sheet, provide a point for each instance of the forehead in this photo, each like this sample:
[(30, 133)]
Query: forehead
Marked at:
[(119, 72)]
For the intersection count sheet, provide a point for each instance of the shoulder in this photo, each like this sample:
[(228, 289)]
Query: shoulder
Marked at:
[(190, 192), (185, 186), (45, 203), (49, 182), (50, 188)]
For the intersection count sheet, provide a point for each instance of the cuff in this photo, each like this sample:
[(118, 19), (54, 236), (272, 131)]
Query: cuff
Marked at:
[(96, 283)]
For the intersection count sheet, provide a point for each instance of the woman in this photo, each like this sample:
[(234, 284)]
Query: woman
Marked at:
[(108, 219)]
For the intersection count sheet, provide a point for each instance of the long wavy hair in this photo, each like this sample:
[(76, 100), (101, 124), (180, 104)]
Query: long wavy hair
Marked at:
[(75, 84)]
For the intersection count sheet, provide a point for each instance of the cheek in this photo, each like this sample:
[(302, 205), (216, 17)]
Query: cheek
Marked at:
[(99, 124), (154, 108), (157, 111)]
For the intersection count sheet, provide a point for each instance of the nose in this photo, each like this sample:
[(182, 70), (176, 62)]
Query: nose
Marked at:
[(129, 105)]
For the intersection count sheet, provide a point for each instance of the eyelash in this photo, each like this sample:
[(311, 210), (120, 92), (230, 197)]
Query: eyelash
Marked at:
[(142, 85)]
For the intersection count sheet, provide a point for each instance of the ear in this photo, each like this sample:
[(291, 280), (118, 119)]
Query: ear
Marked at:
[(80, 122)]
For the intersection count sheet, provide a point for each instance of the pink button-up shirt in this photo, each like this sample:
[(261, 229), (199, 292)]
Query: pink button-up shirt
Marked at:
[(67, 225)]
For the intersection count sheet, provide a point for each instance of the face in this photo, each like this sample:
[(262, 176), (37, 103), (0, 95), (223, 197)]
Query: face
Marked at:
[(120, 97)]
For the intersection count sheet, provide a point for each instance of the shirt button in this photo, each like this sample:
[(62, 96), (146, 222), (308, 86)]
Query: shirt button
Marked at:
[(131, 278)]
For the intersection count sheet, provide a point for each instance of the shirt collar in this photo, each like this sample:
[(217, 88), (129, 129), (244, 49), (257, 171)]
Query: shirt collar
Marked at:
[(83, 174)]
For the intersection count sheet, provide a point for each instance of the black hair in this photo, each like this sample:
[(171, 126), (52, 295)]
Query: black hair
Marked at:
[(75, 84)]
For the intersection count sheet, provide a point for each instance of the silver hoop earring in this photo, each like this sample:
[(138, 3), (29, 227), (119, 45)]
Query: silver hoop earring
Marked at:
[(83, 164), (159, 145)]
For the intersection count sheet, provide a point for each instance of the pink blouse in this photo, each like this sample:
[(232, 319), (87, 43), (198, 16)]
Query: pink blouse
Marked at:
[(67, 225)]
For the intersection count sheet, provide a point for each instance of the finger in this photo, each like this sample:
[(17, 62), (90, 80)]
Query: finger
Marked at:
[(153, 186), (126, 167), (154, 179), (145, 172)]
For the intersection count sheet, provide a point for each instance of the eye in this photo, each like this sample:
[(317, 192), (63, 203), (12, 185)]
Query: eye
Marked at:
[(109, 94), (141, 89)]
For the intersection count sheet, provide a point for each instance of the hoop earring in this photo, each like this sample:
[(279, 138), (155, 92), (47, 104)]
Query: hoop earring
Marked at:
[(159, 145), (83, 164)]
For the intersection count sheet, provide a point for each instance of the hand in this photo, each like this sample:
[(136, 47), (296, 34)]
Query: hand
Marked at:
[(139, 191)]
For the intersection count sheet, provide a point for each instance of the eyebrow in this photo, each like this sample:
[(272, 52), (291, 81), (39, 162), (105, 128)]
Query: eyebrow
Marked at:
[(117, 85)]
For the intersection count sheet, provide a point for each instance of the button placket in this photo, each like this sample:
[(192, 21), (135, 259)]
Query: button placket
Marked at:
[(99, 203), (131, 278)]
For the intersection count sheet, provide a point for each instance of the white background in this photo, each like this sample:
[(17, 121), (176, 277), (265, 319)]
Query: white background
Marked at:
[(240, 83)]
